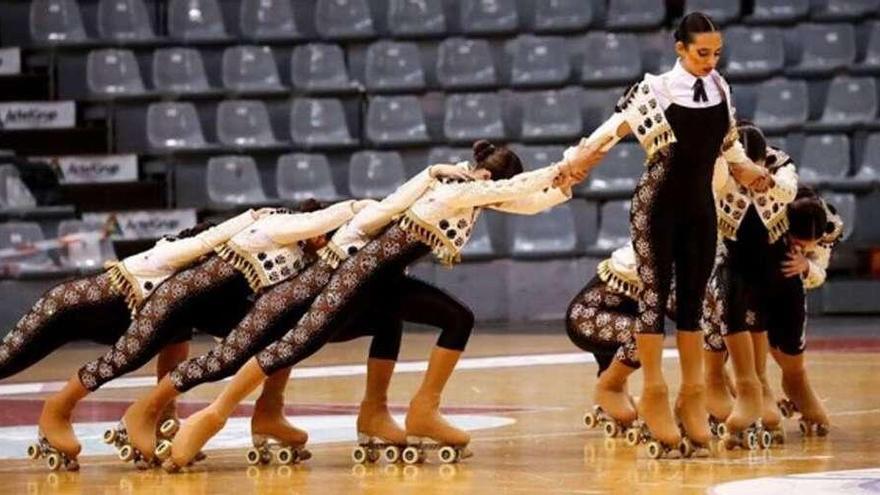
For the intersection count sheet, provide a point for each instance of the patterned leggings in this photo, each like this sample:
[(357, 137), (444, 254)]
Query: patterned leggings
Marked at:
[(84, 309), (212, 291), (347, 295)]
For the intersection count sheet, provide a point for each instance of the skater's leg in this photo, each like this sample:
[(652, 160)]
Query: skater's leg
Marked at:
[(268, 419)]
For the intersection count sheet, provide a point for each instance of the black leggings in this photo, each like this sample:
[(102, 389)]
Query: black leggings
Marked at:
[(83, 309), (356, 283), (212, 291)]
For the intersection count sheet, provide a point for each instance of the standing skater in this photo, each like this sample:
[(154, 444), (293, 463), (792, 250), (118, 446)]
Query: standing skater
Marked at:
[(684, 119)]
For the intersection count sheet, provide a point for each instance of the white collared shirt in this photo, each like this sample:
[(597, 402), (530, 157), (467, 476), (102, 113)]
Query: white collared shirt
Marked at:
[(677, 86)]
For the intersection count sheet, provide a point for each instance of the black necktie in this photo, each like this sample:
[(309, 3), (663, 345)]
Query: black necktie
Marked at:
[(700, 92)]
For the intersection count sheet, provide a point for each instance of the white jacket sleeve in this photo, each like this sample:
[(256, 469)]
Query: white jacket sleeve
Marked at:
[(608, 131), (818, 260), (534, 203), (181, 252), (374, 217), (785, 184), (299, 226), (486, 192)]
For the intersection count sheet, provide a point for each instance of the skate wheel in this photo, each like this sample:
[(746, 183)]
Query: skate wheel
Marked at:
[(392, 454), (611, 429), (110, 436), (169, 427), (163, 450), (447, 455), (822, 430), (766, 439), (410, 455), (33, 451), (359, 455), (655, 450), (632, 437), (722, 429), (126, 453), (804, 427), (686, 448), (54, 462), (752, 441), (285, 456), (253, 457), (590, 420)]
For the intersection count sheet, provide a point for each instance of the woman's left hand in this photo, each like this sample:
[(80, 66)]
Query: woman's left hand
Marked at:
[(795, 264)]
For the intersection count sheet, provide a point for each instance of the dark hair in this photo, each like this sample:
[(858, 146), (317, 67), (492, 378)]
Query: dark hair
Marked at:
[(500, 162), (310, 205), (752, 139), (692, 24), (190, 232), (806, 215)]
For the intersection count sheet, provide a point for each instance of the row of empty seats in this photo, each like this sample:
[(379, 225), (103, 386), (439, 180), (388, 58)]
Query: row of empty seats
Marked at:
[(60, 21), (397, 66), (13, 192), (24, 250)]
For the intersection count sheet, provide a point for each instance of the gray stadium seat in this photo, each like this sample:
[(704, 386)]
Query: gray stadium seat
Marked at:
[(610, 58), (263, 20), (394, 66), (779, 11), (635, 14), (845, 10), (56, 22), (445, 154), (551, 115), (779, 142), (416, 18), (488, 16), (234, 180), (179, 70), (124, 20), (657, 57), (375, 174), (301, 176), (825, 160), (465, 63), (13, 191), (319, 122), (344, 19), (870, 62), (396, 120), (868, 172), (781, 105), (562, 15), (825, 48), (614, 231), (756, 52), (250, 68), (195, 20), (721, 11), (538, 61), (174, 125), (113, 72), (534, 157), (244, 124), (846, 207), (547, 234), (91, 251), (851, 102), (473, 116), (480, 244), (319, 67), (20, 235), (619, 173), (597, 106)]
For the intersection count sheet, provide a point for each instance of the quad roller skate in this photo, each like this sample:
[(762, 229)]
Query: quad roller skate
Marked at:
[(417, 448), (807, 427), (370, 448), (715, 426), (284, 454), (118, 437), (598, 418), (55, 459), (690, 448), (752, 438), (640, 434)]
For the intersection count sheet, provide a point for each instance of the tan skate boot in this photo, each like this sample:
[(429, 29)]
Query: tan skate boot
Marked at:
[(56, 440), (719, 400), (270, 429), (378, 432), (802, 398)]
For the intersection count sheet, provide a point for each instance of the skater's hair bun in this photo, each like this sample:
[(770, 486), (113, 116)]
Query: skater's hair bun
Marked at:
[(693, 24), (500, 162), (806, 215), (753, 141), (310, 205)]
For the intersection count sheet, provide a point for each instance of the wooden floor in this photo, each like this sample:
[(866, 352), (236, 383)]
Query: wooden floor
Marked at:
[(546, 449)]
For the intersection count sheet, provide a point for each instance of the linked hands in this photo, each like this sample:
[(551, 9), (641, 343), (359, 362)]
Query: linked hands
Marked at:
[(795, 263), (578, 166), (753, 176)]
